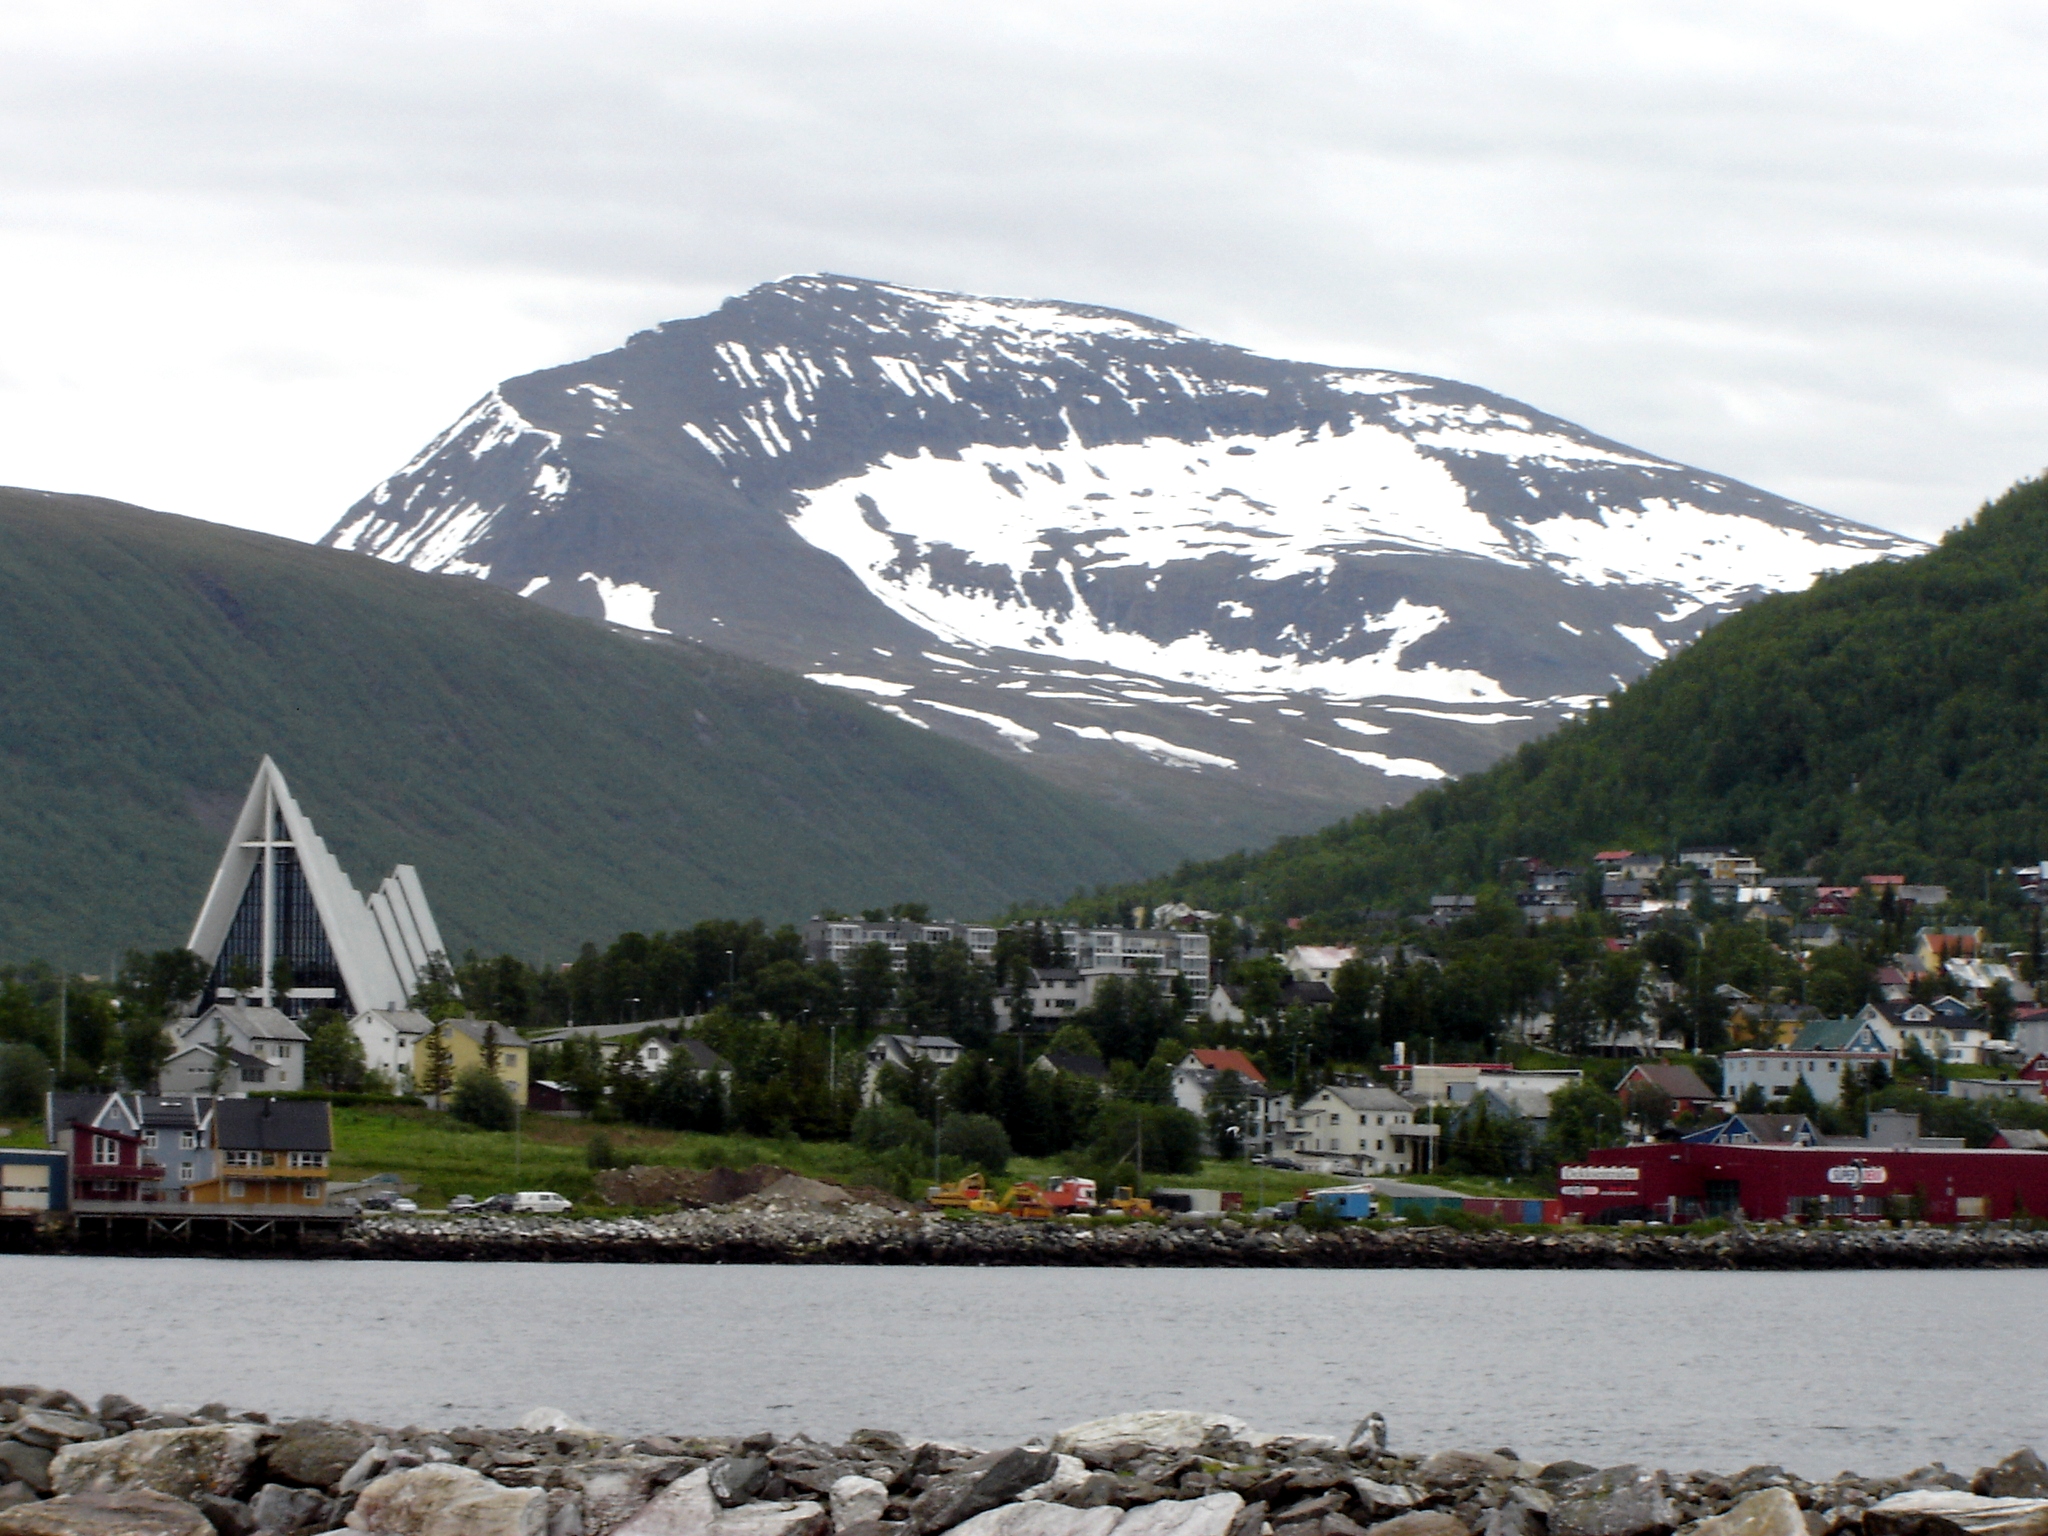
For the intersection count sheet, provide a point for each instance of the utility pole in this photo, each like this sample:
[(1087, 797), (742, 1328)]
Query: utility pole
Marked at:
[(63, 1018)]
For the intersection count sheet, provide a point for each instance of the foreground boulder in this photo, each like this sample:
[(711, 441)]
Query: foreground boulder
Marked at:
[(1041, 1519), (980, 1485), (1946, 1512), (2022, 1475), (181, 1463), (1773, 1512), (134, 1512), (1212, 1515), (1124, 1436), (1620, 1501), (314, 1453), (447, 1501)]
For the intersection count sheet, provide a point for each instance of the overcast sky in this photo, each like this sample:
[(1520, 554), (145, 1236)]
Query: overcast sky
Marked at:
[(256, 255)]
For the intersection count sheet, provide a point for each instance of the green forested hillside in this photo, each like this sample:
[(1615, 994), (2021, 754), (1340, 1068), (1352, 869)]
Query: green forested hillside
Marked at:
[(552, 779), (1888, 719)]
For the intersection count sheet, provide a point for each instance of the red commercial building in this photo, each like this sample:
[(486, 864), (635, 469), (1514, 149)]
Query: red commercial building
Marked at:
[(1685, 1181)]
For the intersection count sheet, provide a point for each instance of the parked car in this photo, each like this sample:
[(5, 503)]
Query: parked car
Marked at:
[(539, 1202), (463, 1203), (498, 1202), (395, 1203)]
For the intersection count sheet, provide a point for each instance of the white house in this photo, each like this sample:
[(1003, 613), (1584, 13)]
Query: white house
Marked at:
[(905, 1051), (262, 1033), (387, 1036), (1371, 1130), (1776, 1071), (1317, 962)]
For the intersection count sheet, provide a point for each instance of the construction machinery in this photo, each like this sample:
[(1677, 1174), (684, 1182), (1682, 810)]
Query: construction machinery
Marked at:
[(1127, 1203), (1024, 1200), (1069, 1196), (962, 1195)]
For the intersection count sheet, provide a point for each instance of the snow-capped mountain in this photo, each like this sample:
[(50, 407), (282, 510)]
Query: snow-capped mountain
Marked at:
[(1239, 593)]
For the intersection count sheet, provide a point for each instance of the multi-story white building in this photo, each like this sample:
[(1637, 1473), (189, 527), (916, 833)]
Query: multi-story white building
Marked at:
[(1372, 1130), (836, 939), (1776, 1071), (1165, 952)]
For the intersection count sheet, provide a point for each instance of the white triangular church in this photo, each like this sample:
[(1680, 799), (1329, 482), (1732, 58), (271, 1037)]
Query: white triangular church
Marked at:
[(280, 895)]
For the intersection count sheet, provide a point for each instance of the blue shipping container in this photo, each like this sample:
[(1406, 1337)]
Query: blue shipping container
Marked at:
[(1345, 1204)]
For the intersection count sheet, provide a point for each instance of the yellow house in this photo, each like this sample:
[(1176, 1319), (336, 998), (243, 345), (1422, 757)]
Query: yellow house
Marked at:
[(469, 1042), (267, 1152)]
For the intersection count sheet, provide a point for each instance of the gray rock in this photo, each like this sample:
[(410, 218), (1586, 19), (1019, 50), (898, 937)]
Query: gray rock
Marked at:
[(775, 1517), (445, 1500), (565, 1513), (966, 1493), (131, 1512), (12, 1494), (856, 1499), (25, 1464), (1511, 1519), (1768, 1512), (50, 1430), (1423, 1522), (283, 1511), (1564, 1471), (229, 1517), (1039, 1518), (615, 1488), (1212, 1515), (686, 1507), (736, 1479), (1383, 1501), (1947, 1512), (182, 1463), (1099, 1442), (2022, 1475), (1454, 1469), (1619, 1501), (314, 1453)]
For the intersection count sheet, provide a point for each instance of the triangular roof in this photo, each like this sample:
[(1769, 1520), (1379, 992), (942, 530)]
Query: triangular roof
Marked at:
[(380, 945), (1228, 1061), (1837, 1035), (1676, 1081)]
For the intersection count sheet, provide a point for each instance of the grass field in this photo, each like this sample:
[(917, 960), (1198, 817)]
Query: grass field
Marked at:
[(445, 1157)]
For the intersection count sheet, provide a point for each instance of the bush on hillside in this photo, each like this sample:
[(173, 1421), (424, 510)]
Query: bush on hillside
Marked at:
[(482, 1100)]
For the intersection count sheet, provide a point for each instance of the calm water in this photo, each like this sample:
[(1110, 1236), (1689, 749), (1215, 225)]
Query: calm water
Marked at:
[(1875, 1372)]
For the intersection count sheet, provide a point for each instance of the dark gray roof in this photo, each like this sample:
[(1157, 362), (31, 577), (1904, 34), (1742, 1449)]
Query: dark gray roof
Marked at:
[(1075, 1064), (702, 1057), (274, 1125)]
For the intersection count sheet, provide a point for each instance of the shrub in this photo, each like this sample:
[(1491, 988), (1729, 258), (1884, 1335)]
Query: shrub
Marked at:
[(482, 1100), (1170, 1138), (977, 1140), (600, 1153), (883, 1126)]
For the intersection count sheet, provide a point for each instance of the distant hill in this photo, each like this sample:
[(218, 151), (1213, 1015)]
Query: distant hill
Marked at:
[(553, 779), (1888, 719)]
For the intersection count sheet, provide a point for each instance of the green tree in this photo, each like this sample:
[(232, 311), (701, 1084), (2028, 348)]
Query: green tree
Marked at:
[(884, 1126), (870, 985), (437, 1074), (978, 1140), (334, 1056), (1223, 1111), (1073, 1040), (24, 1078), (437, 995), (1752, 1100), (1156, 1137), (599, 1153), (1837, 981), (1582, 1117), (481, 1099), (1799, 1100)]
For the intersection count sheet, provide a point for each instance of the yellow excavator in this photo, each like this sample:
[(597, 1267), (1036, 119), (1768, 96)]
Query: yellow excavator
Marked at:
[(1024, 1200), (963, 1195), (1127, 1203)]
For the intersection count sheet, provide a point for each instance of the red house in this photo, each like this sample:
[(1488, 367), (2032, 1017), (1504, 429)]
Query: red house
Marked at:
[(108, 1163)]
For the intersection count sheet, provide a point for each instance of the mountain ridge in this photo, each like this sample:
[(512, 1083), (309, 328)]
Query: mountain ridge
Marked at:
[(552, 779), (1889, 719), (1163, 570)]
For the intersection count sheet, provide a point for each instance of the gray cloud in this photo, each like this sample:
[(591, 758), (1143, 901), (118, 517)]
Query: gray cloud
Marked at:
[(1796, 244)]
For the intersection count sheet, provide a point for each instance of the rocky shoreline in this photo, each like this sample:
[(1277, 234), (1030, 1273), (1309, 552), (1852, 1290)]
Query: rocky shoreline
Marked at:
[(801, 1233), (120, 1469)]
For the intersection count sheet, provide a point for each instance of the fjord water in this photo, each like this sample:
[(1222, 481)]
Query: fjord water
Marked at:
[(1871, 1371)]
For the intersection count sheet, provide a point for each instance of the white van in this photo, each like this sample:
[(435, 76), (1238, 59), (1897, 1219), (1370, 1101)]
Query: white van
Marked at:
[(539, 1202)]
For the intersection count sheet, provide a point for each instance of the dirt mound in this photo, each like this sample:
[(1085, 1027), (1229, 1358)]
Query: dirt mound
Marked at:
[(692, 1189)]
